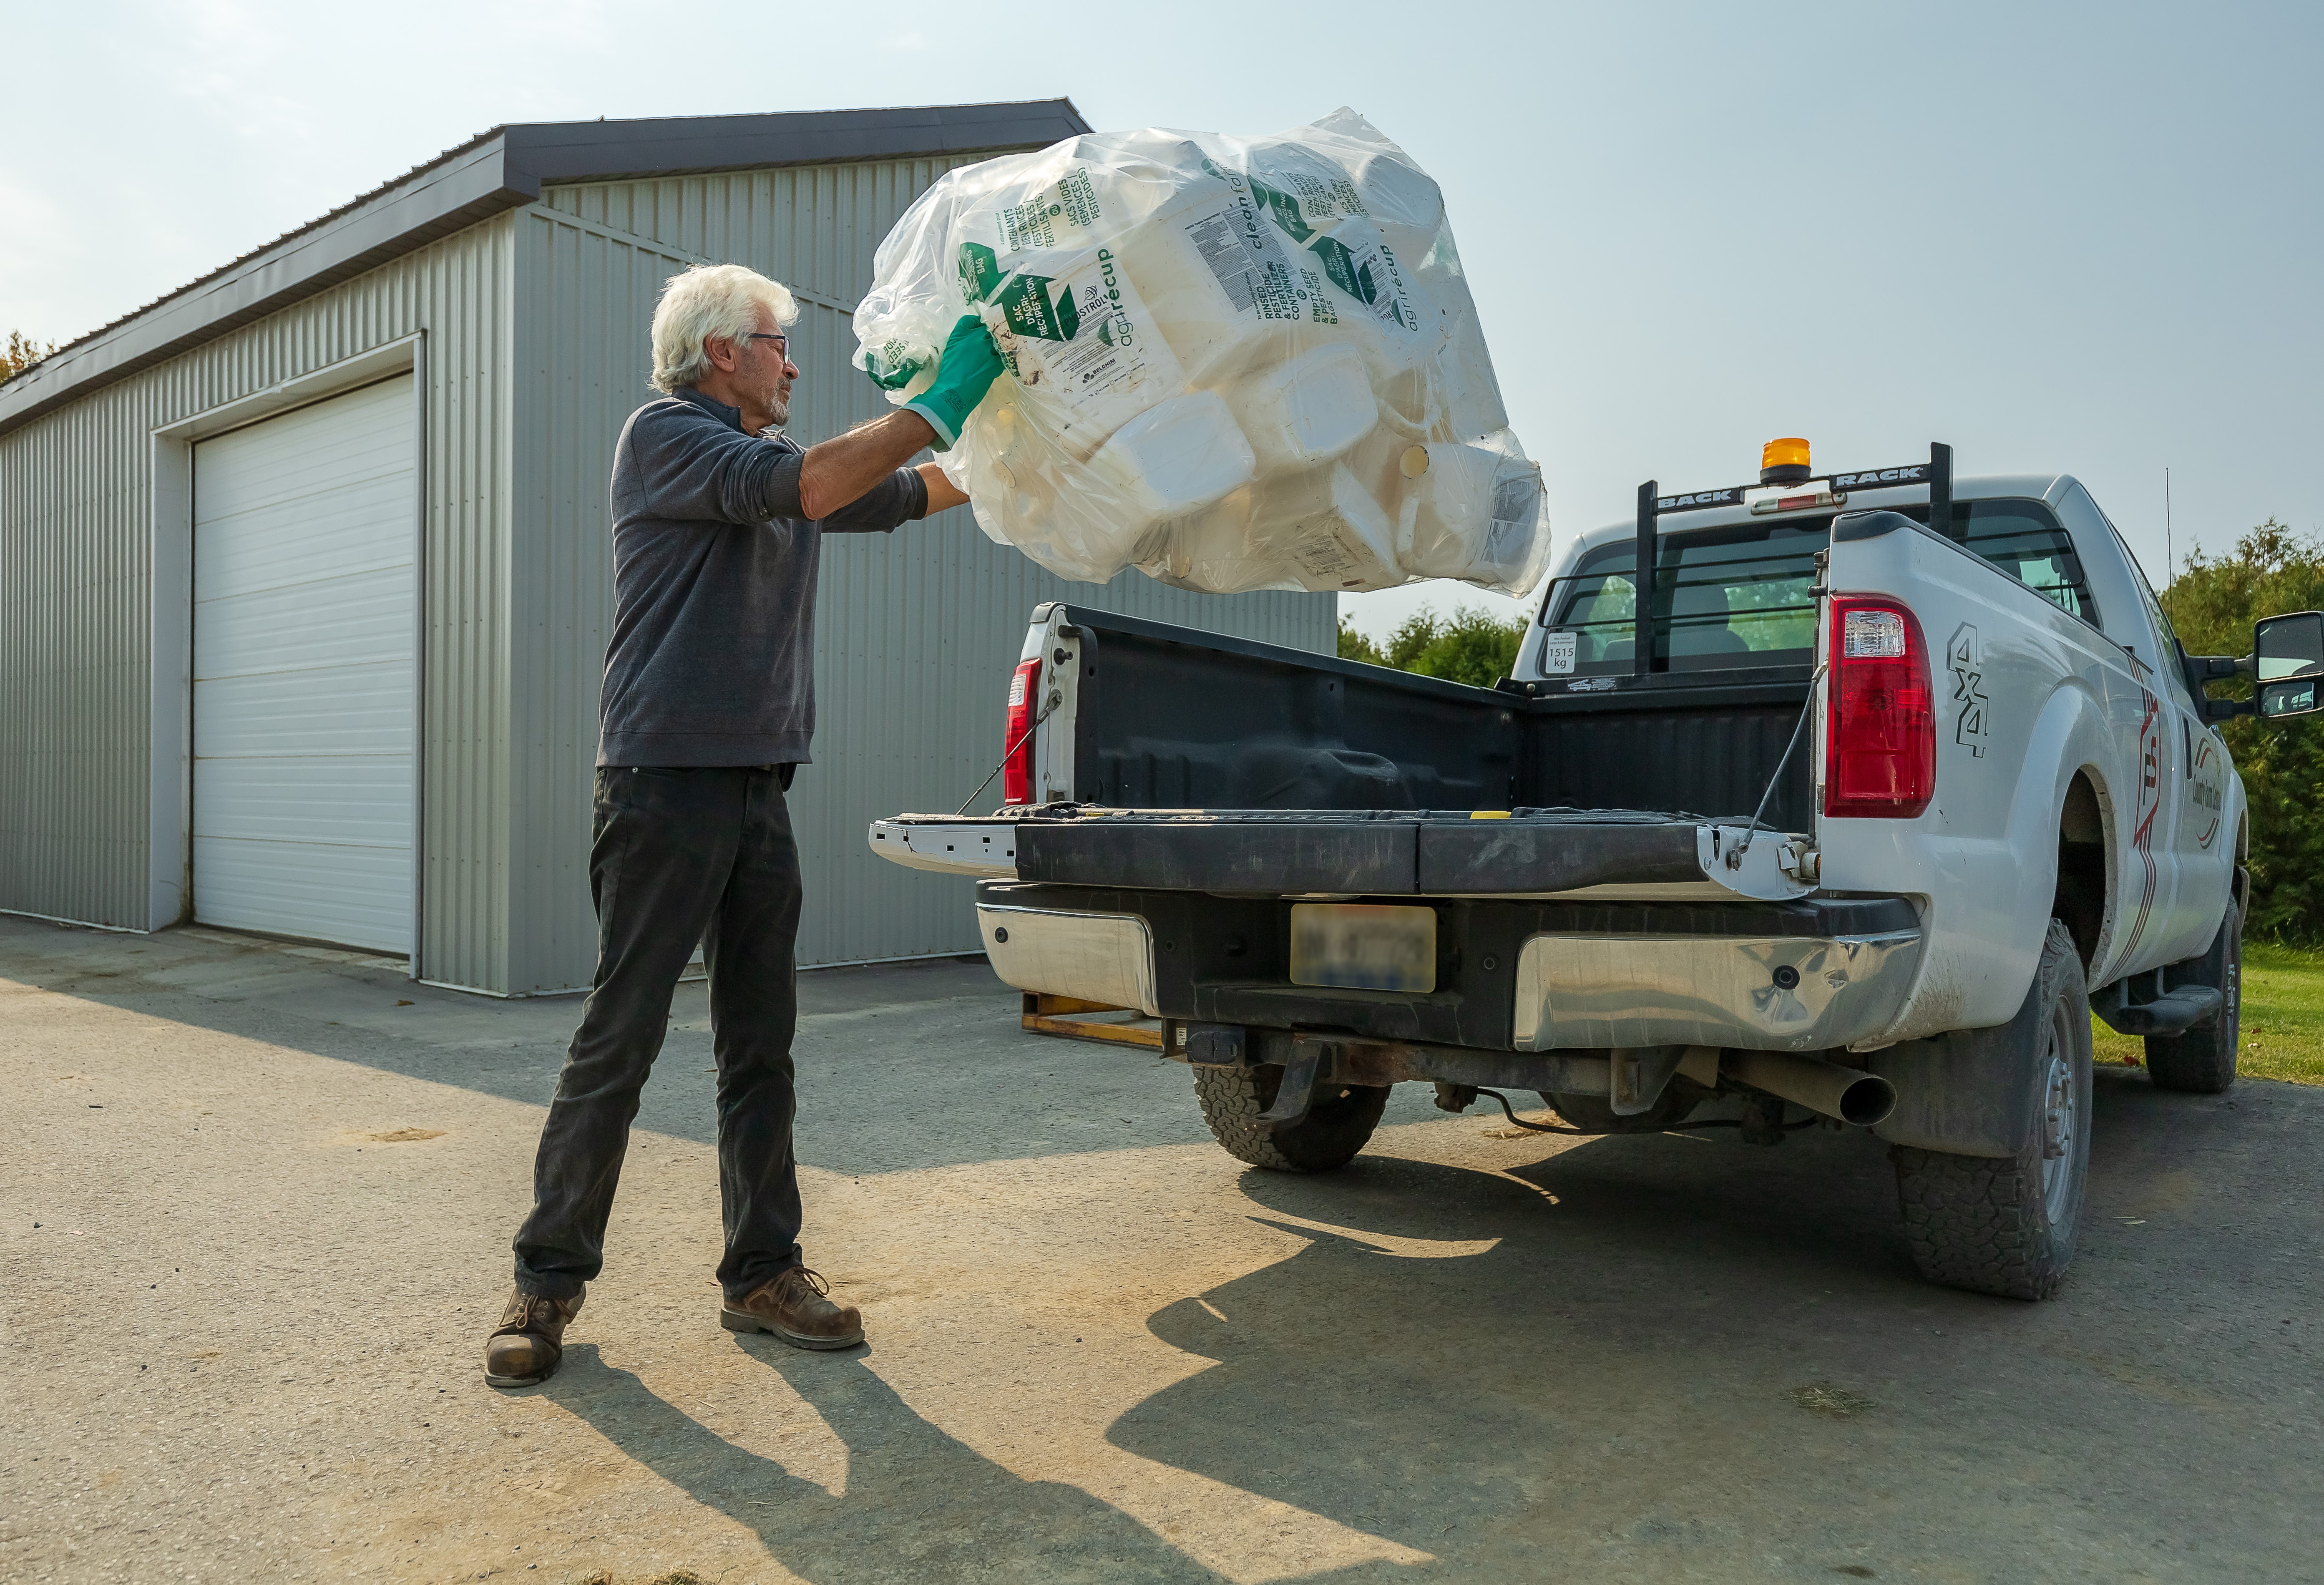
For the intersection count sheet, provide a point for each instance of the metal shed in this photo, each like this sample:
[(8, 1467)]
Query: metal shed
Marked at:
[(305, 578)]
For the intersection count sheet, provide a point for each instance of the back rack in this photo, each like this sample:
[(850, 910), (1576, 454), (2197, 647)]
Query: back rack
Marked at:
[(1936, 474)]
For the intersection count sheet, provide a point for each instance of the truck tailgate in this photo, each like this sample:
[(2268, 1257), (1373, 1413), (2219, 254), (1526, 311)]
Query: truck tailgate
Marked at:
[(1388, 852)]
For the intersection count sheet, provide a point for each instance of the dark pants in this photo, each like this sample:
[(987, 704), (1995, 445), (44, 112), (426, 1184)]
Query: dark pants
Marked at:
[(679, 856)]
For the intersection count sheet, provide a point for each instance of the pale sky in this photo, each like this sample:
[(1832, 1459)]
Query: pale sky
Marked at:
[(2076, 237)]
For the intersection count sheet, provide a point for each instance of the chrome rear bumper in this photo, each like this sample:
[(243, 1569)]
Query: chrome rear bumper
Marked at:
[(1766, 993), (1573, 990), (1106, 958)]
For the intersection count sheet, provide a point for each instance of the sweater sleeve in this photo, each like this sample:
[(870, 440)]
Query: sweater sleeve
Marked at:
[(689, 466), (901, 497)]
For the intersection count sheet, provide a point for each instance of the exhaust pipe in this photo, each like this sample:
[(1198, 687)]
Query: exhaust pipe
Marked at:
[(1848, 1094)]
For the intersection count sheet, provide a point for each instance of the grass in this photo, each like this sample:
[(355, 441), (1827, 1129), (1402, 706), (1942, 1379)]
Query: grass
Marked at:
[(2284, 1018)]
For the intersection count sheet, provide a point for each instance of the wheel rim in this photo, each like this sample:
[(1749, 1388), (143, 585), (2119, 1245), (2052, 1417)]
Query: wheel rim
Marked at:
[(2060, 1123)]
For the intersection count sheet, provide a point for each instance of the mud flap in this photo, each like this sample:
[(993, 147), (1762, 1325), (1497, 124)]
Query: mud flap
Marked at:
[(1309, 1062), (1964, 1094)]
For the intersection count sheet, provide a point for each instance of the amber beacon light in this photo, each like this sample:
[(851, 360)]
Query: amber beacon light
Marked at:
[(1783, 461)]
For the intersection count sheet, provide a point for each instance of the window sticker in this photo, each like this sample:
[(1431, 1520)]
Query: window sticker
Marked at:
[(1557, 653)]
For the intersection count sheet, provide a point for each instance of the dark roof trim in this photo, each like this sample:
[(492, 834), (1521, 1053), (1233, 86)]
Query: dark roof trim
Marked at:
[(501, 169)]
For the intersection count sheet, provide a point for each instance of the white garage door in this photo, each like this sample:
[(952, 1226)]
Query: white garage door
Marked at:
[(303, 706)]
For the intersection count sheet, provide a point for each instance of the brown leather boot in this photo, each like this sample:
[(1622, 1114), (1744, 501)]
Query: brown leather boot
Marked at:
[(529, 1341), (794, 1309)]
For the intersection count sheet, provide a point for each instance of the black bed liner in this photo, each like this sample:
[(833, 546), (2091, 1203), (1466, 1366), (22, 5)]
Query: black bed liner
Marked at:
[(1170, 718)]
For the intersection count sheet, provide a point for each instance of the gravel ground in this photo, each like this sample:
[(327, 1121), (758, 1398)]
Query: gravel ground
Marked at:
[(255, 1203)]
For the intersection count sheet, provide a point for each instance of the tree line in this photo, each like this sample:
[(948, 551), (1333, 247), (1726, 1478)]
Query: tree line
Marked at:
[(1471, 646), (20, 353)]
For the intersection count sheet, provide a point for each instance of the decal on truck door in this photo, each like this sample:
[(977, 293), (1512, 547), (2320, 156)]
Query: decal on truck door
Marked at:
[(1969, 692), (2150, 803), (2210, 789)]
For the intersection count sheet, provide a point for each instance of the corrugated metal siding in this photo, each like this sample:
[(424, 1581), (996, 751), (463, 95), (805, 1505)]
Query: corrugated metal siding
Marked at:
[(73, 681), (916, 633), (583, 351), (76, 511), (465, 785), (813, 227)]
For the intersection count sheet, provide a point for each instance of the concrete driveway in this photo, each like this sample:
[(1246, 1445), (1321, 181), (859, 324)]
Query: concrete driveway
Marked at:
[(255, 1205)]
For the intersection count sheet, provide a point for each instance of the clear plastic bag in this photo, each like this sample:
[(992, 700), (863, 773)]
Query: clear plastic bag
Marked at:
[(1233, 363)]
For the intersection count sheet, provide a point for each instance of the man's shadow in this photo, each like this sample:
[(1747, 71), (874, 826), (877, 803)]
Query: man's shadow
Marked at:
[(919, 1505)]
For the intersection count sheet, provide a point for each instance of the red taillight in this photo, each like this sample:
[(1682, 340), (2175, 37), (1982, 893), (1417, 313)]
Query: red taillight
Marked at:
[(1881, 757), (1016, 746)]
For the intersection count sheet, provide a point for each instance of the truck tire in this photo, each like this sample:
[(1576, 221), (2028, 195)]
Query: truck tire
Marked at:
[(2009, 1224), (1336, 1126), (2202, 1061)]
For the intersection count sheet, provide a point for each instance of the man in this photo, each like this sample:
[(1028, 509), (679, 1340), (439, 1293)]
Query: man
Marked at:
[(707, 710)]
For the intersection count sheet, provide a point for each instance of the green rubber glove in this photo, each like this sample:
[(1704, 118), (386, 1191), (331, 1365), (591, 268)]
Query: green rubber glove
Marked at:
[(969, 364), (892, 366)]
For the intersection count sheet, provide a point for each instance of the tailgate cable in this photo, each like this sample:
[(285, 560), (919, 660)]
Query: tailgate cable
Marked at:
[(1055, 700), (1735, 854)]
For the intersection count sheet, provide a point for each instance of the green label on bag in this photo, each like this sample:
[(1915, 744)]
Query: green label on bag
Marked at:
[(1320, 212), (980, 271), (1304, 203), (1349, 275), (1107, 365), (1038, 223), (1286, 210), (1368, 272), (1034, 307), (892, 365)]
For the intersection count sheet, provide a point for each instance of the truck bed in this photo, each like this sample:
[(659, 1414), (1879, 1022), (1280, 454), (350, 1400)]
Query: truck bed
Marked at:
[(1172, 719)]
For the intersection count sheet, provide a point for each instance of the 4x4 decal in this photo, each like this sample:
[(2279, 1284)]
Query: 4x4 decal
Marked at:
[(1968, 725)]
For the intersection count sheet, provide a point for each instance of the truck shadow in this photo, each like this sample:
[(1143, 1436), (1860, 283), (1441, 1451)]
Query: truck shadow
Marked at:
[(1411, 1393), (1634, 1355)]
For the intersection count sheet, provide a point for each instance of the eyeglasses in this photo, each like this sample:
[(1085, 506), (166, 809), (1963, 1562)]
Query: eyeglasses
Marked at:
[(782, 343)]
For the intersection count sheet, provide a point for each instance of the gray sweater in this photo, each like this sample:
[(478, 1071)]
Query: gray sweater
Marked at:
[(713, 657)]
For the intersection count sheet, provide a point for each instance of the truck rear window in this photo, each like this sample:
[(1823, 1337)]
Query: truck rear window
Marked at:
[(1736, 597), (1724, 598), (2024, 540)]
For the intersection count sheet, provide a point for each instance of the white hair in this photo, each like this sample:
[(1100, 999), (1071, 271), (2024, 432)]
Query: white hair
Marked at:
[(710, 302)]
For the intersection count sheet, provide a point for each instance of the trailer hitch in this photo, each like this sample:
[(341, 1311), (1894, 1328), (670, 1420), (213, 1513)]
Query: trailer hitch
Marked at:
[(1640, 1074)]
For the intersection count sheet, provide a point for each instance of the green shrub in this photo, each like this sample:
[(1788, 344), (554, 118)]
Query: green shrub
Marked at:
[(1471, 646)]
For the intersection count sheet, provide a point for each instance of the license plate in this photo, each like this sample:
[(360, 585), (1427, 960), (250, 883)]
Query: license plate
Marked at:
[(1363, 946)]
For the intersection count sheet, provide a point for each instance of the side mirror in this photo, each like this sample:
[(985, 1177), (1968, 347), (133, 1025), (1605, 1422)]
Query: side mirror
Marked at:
[(2288, 658)]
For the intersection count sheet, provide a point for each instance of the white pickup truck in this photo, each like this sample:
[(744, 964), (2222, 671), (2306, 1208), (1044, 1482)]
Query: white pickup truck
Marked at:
[(1855, 820)]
